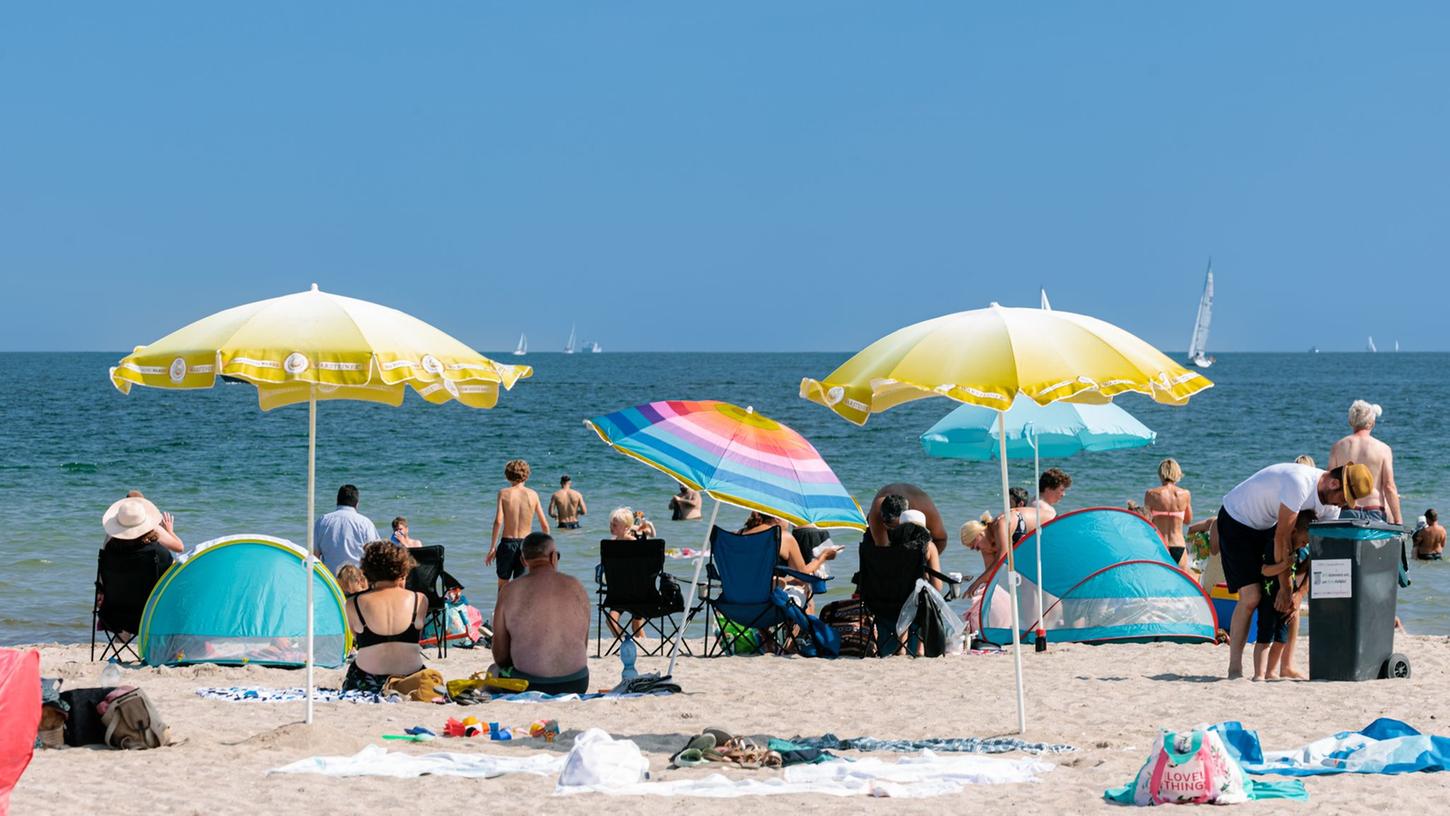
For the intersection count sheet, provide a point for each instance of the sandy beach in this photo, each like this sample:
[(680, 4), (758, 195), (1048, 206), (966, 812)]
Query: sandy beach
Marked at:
[(1107, 701)]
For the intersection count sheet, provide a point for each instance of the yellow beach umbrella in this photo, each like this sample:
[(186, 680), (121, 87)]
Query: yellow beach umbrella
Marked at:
[(313, 346), (990, 356)]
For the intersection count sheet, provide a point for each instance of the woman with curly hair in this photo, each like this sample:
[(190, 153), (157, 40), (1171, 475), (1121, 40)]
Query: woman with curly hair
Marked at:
[(386, 620)]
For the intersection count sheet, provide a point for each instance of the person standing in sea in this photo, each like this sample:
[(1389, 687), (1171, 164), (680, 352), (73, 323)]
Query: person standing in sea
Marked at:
[(518, 506), (1257, 521), (1383, 501), (567, 505)]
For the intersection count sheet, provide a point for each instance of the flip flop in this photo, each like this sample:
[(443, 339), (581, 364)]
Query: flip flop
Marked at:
[(700, 744), (689, 758)]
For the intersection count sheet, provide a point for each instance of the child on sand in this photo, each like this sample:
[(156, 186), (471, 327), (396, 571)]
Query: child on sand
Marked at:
[(1274, 647), (351, 581), (514, 516)]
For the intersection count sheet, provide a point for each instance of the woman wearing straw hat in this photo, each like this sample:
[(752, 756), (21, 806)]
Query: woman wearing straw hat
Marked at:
[(134, 522)]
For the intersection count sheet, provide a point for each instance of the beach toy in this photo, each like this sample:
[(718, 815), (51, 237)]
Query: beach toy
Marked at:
[(511, 684), (548, 729), (409, 737), (419, 731), (497, 733), (468, 727)]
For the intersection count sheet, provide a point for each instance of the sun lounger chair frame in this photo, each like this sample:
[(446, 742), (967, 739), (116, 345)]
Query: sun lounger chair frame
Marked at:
[(885, 581), (741, 589), (124, 581), (630, 579), (429, 578)]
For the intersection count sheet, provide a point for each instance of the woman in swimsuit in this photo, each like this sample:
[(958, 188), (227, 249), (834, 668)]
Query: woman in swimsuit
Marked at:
[(1170, 509), (386, 620)]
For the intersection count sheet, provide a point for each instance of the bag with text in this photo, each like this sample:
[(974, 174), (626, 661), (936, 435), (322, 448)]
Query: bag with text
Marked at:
[(1190, 767)]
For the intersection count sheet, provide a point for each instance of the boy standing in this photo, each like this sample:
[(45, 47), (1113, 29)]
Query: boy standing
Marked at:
[(567, 505), (517, 508)]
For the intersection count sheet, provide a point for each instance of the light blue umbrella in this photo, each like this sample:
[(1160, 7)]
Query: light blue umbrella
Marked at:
[(1057, 430)]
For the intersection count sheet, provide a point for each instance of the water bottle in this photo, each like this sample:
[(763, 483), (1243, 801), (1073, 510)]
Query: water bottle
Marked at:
[(628, 652), (111, 674)]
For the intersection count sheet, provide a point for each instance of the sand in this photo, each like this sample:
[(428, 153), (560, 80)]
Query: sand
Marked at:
[(1109, 701)]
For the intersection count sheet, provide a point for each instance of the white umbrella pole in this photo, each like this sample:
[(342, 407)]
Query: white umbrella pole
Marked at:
[(1011, 576), (690, 596), (311, 508), (1041, 642)]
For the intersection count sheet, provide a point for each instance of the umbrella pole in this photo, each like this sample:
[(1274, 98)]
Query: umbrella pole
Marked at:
[(311, 508), (1041, 640), (690, 596), (1011, 576)]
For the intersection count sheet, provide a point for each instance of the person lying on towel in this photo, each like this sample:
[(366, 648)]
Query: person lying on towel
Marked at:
[(386, 620), (541, 624)]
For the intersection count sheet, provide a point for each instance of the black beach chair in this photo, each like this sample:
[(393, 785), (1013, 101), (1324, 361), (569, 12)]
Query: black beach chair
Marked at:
[(631, 581), (124, 580), (885, 582), (429, 578)]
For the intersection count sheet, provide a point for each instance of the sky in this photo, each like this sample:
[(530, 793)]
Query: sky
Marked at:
[(728, 176)]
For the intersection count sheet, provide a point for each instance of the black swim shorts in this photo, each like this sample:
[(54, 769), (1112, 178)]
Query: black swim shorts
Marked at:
[(1242, 548), (509, 559)]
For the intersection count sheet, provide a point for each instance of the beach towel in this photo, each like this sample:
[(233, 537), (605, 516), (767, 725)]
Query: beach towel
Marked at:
[(262, 694), (374, 760), (1385, 746), (910, 777), (969, 745)]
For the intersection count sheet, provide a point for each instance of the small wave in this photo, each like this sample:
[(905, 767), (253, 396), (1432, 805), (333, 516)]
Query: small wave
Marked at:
[(80, 467), (39, 562)]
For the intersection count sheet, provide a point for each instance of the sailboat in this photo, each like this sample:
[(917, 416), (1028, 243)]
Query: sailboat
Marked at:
[(1046, 304), (1397, 345), (1370, 345), (571, 346), (595, 348), (523, 346), (1198, 346)]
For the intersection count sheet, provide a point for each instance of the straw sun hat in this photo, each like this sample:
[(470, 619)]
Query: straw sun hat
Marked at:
[(131, 517)]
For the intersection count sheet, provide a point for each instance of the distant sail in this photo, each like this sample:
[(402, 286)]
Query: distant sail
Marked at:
[(523, 346), (1370, 345), (595, 348), (1397, 345), (572, 345), (1046, 306), (1198, 346)]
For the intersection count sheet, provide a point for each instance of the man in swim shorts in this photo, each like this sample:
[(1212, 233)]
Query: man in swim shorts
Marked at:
[(1259, 515), (1382, 502), (567, 505), (1430, 539), (517, 508), (541, 624)]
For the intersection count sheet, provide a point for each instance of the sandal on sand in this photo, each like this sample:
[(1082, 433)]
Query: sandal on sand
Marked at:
[(699, 746), (689, 758)]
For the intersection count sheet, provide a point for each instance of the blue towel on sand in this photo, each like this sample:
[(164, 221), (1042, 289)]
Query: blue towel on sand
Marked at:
[(1384, 746)]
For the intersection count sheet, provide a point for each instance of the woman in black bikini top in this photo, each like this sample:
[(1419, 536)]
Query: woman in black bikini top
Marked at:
[(386, 651)]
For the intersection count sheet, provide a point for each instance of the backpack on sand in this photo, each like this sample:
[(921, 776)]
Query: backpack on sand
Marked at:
[(132, 721)]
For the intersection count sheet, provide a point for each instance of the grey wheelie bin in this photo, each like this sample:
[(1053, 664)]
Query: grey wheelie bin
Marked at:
[(1353, 584)]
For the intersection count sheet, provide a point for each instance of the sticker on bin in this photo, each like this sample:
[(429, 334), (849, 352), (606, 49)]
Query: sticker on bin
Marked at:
[(1329, 578)]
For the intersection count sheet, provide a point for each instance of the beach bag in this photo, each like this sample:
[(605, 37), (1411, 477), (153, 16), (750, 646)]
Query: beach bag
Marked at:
[(670, 593), (598, 760), (132, 721), (1190, 767), (854, 627), (421, 686), (939, 629), (83, 726), (462, 625)]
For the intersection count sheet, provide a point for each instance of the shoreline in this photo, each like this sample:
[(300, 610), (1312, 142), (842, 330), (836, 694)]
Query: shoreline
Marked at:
[(1107, 701)]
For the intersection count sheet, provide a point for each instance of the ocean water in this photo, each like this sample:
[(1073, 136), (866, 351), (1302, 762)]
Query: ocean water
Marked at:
[(70, 445)]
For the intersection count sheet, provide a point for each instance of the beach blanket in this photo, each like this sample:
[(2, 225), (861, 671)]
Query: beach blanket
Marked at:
[(1385, 746), (971, 745), (375, 760), (263, 694), (913, 777)]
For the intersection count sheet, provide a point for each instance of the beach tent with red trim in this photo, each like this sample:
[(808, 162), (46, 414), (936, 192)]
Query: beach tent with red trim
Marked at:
[(1106, 577), (19, 716)]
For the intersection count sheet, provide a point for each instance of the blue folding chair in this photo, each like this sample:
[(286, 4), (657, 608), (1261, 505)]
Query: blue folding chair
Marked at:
[(742, 592)]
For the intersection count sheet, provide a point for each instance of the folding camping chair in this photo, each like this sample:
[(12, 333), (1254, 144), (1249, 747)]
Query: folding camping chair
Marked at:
[(884, 583), (429, 578), (124, 580), (631, 580), (742, 595)]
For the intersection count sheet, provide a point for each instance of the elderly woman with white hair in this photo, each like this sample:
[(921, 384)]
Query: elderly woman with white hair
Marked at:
[(1382, 503)]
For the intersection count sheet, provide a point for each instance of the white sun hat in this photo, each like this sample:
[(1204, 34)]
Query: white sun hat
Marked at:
[(131, 517)]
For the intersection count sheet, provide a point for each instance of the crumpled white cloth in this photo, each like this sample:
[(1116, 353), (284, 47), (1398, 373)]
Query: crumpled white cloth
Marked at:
[(374, 760), (911, 777)]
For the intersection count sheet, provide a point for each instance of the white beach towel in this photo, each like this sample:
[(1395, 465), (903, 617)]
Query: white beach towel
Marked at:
[(374, 760), (914, 777)]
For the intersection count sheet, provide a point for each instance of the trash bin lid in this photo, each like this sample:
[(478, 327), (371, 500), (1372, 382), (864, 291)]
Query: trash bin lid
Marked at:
[(1355, 529)]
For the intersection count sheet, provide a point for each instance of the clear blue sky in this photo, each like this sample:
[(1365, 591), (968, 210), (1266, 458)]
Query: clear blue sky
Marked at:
[(741, 176)]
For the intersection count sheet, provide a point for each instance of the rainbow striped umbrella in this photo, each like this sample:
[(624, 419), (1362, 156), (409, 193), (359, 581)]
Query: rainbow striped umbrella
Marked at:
[(734, 455)]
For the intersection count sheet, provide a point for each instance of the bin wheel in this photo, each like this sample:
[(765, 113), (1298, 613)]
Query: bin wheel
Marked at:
[(1397, 667)]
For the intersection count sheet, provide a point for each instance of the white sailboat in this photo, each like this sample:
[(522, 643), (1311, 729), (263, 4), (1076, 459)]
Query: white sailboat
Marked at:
[(1046, 304), (571, 346), (1370, 347), (1397, 345), (595, 348), (1198, 346), (523, 346)]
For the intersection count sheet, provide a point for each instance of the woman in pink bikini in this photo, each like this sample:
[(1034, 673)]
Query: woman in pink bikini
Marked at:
[(1170, 509)]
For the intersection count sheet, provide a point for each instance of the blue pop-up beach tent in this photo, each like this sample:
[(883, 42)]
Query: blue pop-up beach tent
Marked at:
[(237, 600), (1106, 576)]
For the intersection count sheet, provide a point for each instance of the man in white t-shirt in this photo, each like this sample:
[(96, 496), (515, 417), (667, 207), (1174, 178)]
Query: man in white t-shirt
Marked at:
[(1257, 521)]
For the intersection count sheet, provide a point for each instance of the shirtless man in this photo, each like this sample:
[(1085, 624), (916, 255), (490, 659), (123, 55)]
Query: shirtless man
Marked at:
[(1430, 539), (1383, 503), (916, 499), (1052, 486), (514, 516), (685, 505), (567, 505), (541, 624)]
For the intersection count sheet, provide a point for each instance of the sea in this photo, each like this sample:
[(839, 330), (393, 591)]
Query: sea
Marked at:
[(70, 445)]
